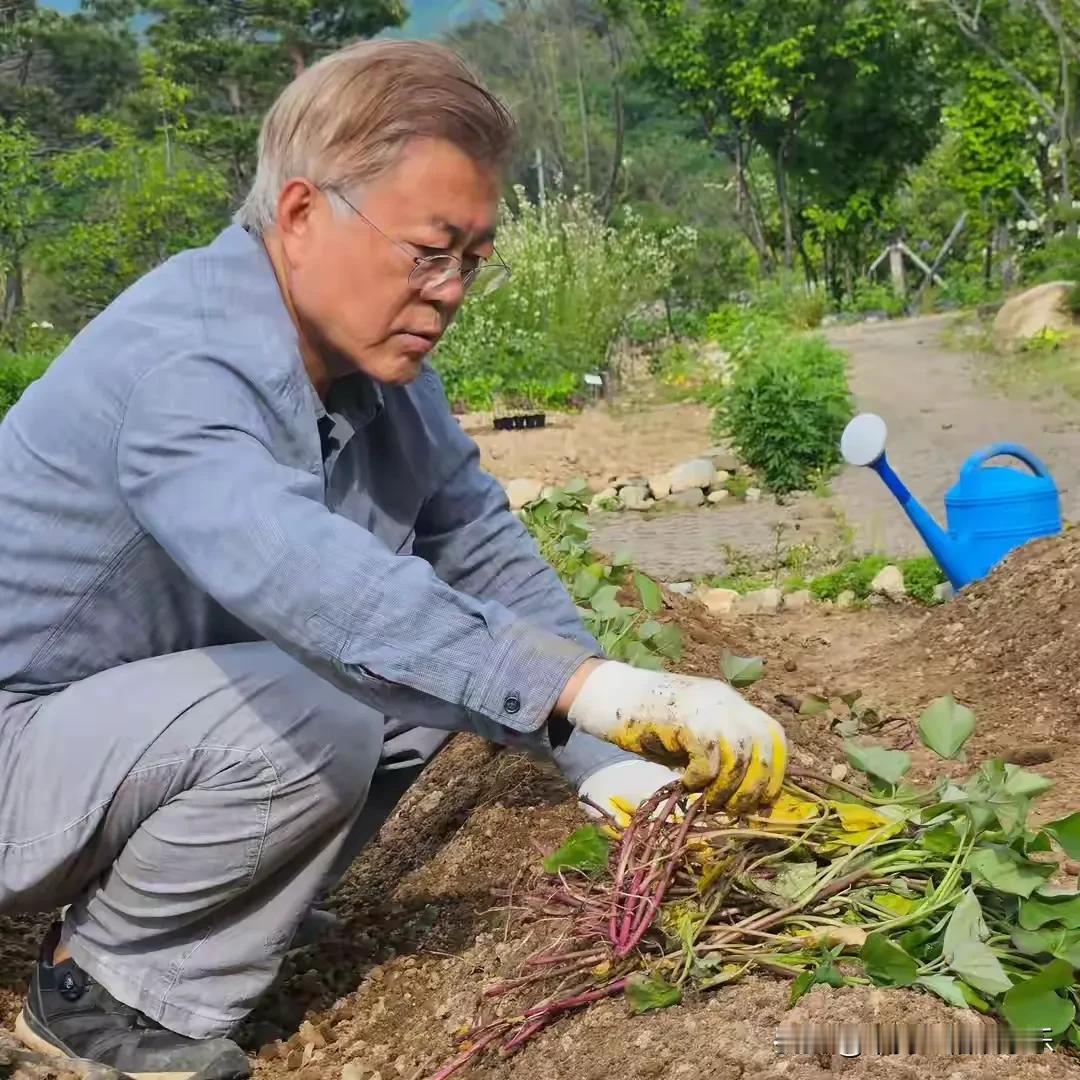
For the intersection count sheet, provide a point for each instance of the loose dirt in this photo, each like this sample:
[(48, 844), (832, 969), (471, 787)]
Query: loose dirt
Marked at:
[(429, 908)]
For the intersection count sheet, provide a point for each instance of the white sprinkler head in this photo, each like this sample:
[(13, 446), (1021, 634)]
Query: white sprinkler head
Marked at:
[(863, 441)]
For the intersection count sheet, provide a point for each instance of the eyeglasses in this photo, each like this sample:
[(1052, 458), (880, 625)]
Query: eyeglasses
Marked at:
[(433, 271)]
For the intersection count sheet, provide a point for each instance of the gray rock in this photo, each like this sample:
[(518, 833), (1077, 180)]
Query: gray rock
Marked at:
[(629, 481), (660, 486), (608, 499), (719, 496), (635, 497), (768, 600), (719, 601), (943, 592), (889, 582), (722, 458), (522, 492), (846, 599), (720, 478), (683, 588), (692, 474), (796, 601), (753, 494), (688, 499)]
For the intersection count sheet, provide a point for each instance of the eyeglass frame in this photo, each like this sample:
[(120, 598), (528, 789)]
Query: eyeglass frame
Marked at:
[(419, 260)]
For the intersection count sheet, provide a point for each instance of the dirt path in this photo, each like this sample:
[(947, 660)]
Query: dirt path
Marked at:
[(938, 411)]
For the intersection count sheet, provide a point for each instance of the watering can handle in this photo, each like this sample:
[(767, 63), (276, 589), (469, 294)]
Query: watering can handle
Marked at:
[(977, 460)]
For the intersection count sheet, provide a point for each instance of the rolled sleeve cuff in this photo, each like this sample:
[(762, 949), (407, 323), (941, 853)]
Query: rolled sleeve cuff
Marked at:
[(530, 670)]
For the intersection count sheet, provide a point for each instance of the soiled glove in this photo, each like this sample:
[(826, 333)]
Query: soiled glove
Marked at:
[(621, 787), (728, 748)]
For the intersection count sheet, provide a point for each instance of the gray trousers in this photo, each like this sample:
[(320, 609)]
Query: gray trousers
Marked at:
[(189, 808)]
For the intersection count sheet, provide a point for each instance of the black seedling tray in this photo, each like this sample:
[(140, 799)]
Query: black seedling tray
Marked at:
[(519, 423)]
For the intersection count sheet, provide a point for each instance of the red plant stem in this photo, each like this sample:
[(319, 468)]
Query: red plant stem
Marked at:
[(537, 976), (466, 1056), (575, 1002), (558, 958), (644, 874), (652, 905), (523, 1036)]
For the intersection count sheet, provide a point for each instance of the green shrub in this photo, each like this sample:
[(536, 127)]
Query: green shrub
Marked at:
[(875, 296), (574, 281), (921, 576), (17, 373), (854, 577), (785, 409)]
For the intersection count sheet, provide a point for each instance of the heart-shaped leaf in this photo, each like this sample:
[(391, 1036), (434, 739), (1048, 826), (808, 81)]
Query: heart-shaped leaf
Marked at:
[(976, 964), (668, 642), (652, 599), (645, 994), (1005, 870), (946, 988), (965, 924), (741, 670), (943, 839), (1034, 1004), (886, 963), (605, 602), (825, 973), (622, 557), (813, 705), (1037, 912), (887, 765), (946, 725), (586, 850), (585, 584), (1066, 831)]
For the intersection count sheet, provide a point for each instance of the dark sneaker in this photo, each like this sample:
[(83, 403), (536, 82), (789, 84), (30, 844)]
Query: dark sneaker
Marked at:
[(67, 1013)]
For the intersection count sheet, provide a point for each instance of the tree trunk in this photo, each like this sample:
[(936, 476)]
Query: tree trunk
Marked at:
[(785, 208), (13, 291), (583, 112), (752, 225), (608, 201), (988, 260), (1003, 244)]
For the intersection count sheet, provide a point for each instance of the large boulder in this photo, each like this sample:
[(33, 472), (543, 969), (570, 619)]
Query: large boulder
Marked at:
[(522, 492), (698, 473), (1029, 313)]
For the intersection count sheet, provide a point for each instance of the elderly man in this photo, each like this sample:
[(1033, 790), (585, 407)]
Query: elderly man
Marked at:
[(249, 562)]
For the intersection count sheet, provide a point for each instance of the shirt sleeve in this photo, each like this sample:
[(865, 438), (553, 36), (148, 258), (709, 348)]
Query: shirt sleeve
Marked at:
[(468, 534), (196, 469)]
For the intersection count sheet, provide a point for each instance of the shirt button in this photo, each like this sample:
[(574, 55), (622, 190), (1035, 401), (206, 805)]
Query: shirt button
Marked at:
[(512, 704)]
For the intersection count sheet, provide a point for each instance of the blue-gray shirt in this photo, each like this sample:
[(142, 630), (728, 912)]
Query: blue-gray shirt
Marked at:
[(174, 482)]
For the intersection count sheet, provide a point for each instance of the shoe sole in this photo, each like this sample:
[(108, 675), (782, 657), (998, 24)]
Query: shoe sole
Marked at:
[(33, 1041)]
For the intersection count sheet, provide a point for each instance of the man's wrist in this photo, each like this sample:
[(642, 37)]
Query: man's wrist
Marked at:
[(559, 726)]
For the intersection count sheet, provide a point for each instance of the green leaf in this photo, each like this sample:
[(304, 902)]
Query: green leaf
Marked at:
[(1027, 784), (813, 705), (640, 656), (887, 765), (668, 642), (793, 879), (648, 630), (1064, 944), (973, 999), (605, 603), (1066, 831), (886, 963), (965, 924), (946, 987), (652, 599), (585, 584), (741, 670), (646, 994), (825, 973), (1005, 870), (943, 839), (945, 726), (1034, 1005), (1036, 912), (622, 557), (976, 964), (586, 850), (577, 486)]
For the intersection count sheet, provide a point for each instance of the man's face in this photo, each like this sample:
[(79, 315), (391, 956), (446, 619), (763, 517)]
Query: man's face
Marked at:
[(350, 286)]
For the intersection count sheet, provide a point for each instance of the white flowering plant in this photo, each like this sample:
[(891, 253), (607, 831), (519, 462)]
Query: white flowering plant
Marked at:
[(575, 280)]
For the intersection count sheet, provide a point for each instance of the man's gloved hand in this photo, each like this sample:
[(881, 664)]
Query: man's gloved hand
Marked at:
[(729, 748), (621, 787)]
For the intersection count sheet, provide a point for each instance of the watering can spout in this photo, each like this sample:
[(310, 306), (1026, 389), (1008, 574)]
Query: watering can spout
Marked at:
[(864, 444)]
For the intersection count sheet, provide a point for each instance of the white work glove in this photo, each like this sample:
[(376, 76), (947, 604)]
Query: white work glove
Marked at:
[(729, 748), (621, 787)]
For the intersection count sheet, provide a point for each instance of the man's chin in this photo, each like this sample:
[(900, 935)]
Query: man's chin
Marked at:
[(403, 369)]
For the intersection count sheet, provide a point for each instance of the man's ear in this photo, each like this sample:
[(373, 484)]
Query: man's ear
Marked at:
[(296, 205)]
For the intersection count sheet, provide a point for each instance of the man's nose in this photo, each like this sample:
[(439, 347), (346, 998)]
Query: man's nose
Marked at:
[(450, 292)]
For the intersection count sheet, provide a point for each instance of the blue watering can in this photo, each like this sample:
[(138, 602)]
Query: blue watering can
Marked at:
[(990, 511)]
